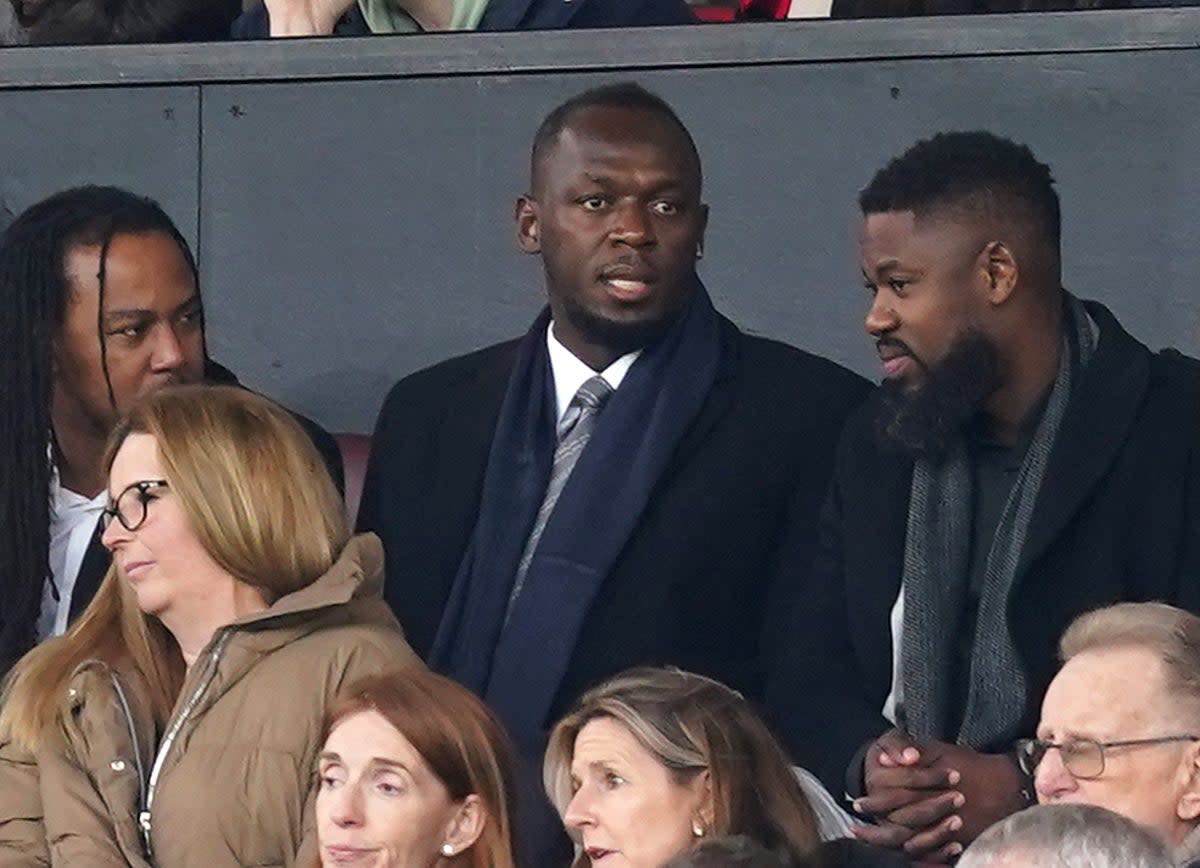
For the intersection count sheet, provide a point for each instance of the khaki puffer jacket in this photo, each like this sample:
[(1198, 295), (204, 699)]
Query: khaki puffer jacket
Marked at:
[(76, 800), (232, 780)]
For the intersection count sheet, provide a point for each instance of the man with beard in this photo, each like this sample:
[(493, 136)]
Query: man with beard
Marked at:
[(635, 481), (1025, 460), (101, 301)]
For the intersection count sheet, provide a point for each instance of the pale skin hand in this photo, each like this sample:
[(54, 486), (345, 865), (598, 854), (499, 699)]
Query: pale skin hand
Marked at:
[(305, 17)]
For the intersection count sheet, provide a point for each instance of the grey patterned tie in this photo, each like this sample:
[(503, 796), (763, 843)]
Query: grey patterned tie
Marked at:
[(574, 432)]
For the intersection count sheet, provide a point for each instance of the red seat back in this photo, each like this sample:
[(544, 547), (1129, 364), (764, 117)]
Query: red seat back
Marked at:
[(356, 448)]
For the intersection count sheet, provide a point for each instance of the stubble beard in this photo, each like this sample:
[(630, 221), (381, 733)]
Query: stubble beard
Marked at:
[(619, 337)]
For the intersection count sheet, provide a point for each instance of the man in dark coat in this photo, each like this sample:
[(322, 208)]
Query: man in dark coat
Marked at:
[(102, 304), (348, 18), (1025, 460), (689, 515)]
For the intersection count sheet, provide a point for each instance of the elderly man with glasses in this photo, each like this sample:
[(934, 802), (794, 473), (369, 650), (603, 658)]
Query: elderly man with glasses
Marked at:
[(1120, 725)]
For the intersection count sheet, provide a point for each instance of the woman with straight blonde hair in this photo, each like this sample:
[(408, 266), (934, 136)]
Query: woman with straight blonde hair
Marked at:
[(654, 760), (178, 721), (415, 772)]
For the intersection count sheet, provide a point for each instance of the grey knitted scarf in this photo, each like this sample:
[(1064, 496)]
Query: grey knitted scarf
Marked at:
[(937, 563)]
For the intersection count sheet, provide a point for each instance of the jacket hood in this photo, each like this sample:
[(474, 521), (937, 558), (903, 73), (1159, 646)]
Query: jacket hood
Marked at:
[(357, 574), (350, 592)]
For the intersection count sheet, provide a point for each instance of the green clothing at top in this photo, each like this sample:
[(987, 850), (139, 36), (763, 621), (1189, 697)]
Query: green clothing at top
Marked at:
[(386, 16)]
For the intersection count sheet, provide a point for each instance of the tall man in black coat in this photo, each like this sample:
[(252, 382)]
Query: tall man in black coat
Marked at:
[(1025, 460), (692, 510)]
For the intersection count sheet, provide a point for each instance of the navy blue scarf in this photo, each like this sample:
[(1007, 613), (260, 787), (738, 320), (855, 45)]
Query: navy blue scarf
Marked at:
[(518, 667)]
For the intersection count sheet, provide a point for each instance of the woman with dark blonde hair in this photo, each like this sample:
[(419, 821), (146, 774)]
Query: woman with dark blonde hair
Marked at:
[(415, 772), (654, 760), (178, 721)]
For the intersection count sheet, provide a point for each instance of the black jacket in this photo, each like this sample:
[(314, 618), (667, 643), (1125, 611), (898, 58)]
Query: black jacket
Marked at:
[(514, 15), (717, 550), (1117, 518)]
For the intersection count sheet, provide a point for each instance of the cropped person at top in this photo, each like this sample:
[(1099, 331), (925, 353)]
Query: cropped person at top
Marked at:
[(86, 22), (178, 721), (362, 17)]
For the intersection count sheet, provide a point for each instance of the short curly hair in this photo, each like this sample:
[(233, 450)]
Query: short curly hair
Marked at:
[(972, 171)]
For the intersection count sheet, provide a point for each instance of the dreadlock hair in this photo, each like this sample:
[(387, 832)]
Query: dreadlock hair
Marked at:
[(34, 290), (625, 95)]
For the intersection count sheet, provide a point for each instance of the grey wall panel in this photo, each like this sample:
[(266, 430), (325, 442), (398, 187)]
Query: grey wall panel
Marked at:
[(146, 139), (357, 231)]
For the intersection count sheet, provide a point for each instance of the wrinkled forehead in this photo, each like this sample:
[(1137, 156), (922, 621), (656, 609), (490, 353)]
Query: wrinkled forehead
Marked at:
[(1109, 693)]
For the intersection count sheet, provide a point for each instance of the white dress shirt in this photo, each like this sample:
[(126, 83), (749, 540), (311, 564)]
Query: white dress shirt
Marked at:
[(894, 704), (570, 372), (73, 520)]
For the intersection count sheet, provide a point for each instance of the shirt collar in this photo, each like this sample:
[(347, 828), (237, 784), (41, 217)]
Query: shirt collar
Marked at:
[(63, 499), (570, 372)]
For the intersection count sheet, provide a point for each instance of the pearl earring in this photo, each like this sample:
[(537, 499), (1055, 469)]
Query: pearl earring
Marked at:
[(447, 849), (697, 829)]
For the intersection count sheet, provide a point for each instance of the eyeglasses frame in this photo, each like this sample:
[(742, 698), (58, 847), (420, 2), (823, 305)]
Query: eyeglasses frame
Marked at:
[(143, 487), (1029, 767)]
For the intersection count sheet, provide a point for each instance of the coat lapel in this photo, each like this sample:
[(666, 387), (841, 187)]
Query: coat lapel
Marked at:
[(464, 438), (1098, 420), (720, 399)]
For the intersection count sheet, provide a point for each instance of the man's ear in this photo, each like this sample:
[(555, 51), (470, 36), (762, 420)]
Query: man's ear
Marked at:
[(999, 266), (529, 226), (465, 826), (1188, 807), (703, 228)]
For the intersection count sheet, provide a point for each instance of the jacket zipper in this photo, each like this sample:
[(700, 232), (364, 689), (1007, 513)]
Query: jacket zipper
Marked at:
[(133, 736), (214, 657)]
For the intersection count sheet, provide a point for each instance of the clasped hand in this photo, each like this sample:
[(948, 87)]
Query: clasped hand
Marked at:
[(930, 799)]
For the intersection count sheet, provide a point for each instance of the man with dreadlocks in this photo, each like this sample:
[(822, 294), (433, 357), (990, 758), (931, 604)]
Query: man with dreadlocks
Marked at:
[(101, 302)]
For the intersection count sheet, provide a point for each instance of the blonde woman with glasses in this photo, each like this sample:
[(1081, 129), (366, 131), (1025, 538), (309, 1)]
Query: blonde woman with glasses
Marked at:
[(178, 721)]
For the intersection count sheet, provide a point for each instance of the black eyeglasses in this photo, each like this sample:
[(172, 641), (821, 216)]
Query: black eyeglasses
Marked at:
[(1083, 757), (131, 504)]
